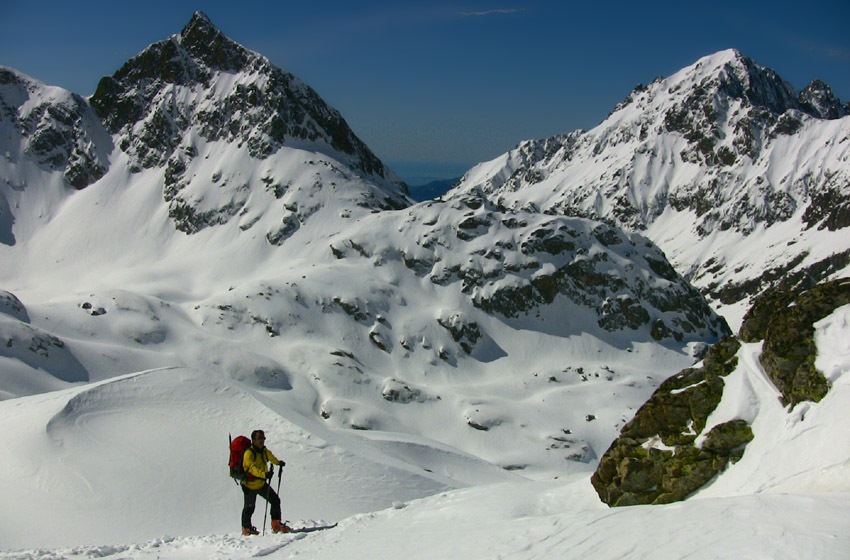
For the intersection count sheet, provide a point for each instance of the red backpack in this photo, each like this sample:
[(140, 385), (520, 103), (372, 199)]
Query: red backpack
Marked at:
[(237, 452)]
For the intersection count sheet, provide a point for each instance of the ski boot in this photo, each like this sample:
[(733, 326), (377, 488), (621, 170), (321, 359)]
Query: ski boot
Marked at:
[(278, 527)]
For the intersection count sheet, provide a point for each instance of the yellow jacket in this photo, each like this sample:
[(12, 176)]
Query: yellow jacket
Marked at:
[(255, 464)]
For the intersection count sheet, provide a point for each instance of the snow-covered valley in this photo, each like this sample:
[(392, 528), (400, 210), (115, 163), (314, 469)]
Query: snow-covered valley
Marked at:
[(132, 467)]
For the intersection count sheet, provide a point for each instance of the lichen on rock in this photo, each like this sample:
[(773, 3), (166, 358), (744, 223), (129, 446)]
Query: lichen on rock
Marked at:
[(656, 459), (785, 321), (664, 453)]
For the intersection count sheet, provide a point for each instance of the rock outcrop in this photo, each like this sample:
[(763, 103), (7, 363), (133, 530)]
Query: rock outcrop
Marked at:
[(665, 453)]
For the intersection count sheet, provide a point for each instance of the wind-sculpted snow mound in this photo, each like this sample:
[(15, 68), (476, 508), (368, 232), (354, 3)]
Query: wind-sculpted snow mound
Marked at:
[(146, 454), (33, 360)]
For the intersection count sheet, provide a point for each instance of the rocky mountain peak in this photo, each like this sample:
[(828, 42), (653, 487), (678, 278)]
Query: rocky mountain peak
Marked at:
[(207, 44), (201, 81), (54, 127), (728, 77), (733, 75), (818, 100), (760, 86), (191, 57), (201, 24), (725, 141)]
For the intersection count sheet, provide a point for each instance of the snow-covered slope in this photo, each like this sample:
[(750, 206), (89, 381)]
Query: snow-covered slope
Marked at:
[(272, 254), (414, 321), (53, 140), (141, 455), (196, 132), (742, 181)]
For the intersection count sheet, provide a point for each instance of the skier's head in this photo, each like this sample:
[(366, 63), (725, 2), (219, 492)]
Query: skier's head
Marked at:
[(258, 439)]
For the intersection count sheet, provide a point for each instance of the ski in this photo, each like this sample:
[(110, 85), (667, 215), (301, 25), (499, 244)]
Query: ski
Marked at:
[(311, 529)]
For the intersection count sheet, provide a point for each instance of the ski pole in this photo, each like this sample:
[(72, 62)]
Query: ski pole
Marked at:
[(265, 513), (279, 476)]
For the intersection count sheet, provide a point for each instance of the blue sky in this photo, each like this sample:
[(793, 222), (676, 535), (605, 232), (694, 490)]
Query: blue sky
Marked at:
[(435, 87)]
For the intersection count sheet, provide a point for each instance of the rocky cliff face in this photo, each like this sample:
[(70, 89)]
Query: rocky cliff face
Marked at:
[(785, 320), (725, 145)]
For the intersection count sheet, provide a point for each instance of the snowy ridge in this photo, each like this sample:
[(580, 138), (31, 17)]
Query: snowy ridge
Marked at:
[(54, 127), (722, 154), (51, 138)]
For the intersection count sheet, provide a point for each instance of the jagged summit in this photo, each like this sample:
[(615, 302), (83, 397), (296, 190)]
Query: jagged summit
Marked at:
[(817, 99), (201, 80), (208, 44), (729, 75), (200, 21)]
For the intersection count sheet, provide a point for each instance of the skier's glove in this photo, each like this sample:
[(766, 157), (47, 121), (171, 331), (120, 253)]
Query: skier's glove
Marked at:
[(282, 464), (270, 474)]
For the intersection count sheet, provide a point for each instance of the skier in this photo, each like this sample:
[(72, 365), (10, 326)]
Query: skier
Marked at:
[(255, 461)]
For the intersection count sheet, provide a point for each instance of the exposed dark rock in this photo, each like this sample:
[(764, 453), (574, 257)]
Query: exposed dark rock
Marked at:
[(396, 391), (10, 305), (353, 309), (655, 459), (287, 228), (785, 321), (828, 209), (61, 133), (379, 341), (817, 99), (625, 313), (466, 333), (789, 275)]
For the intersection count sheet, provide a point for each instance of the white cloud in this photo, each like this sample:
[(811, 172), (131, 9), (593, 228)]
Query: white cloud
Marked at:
[(491, 12)]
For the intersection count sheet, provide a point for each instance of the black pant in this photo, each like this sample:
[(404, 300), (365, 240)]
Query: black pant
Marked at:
[(251, 501)]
